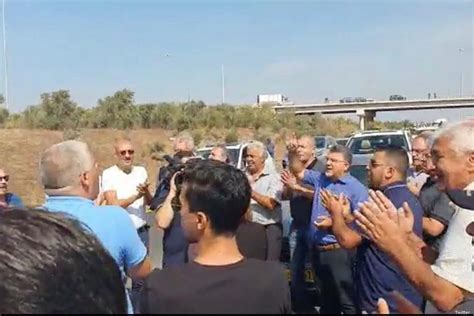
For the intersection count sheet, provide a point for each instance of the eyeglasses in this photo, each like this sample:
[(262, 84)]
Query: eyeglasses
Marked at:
[(5, 178), (124, 152)]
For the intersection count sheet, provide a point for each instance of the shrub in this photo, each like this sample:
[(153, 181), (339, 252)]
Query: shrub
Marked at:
[(231, 137), (155, 149), (71, 134)]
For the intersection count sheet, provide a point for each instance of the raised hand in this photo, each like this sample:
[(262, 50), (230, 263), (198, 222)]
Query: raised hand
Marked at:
[(292, 142), (288, 179)]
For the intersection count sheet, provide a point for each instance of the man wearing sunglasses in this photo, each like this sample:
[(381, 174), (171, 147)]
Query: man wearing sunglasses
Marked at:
[(7, 199), (126, 185)]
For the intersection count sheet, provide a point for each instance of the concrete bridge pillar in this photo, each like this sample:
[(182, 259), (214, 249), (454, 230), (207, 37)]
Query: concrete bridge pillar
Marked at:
[(365, 117)]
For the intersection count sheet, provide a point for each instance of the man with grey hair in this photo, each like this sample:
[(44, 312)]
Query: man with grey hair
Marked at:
[(184, 142), (167, 217), (446, 279), (437, 208), (220, 153), (265, 204), (70, 177), (417, 177)]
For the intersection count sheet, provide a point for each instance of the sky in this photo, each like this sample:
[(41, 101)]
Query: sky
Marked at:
[(306, 50)]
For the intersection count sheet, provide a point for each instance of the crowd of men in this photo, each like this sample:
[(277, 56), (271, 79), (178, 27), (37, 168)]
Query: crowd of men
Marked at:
[(401, 245)]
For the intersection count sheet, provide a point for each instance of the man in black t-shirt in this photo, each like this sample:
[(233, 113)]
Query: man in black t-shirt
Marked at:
[(252, 240), (301, 155), (213, 199)]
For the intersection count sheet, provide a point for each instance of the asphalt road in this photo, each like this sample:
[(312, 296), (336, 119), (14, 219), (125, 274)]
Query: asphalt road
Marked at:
[(156, 244)]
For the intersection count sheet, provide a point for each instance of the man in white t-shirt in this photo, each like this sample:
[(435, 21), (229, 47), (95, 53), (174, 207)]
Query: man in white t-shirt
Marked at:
[(126, 185)]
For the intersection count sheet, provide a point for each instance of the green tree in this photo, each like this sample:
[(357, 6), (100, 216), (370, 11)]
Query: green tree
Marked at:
[(4, 114), (59, 109), (117, 111), (232, 136), (145, 113)]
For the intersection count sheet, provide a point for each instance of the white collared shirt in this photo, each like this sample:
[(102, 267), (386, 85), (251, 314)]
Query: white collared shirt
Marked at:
[(455, 262)]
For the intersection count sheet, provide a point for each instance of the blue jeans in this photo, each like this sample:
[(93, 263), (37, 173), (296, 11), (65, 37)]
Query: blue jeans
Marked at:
[(299, 250), (137, 284)]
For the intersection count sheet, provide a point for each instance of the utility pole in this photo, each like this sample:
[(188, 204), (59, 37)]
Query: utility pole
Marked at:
[(5, 73), (461, 50)]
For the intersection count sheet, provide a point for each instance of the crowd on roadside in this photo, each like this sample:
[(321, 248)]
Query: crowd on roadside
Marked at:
[(401, 245)]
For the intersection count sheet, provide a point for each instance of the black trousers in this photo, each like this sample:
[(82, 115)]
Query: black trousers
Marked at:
[(274, 235), (333, 271)]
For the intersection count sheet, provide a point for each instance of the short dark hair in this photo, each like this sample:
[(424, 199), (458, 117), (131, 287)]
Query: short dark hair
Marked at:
[(219, 190), (398, 156), (50, 264), (341, 149)]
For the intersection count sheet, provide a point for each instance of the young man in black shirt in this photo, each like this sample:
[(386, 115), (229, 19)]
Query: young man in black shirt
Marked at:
[(214, 197)]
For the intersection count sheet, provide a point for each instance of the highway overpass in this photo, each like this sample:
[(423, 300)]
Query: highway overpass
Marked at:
[(367, 110)]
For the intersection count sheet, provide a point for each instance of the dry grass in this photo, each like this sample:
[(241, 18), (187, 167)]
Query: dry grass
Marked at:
[(21, 150)]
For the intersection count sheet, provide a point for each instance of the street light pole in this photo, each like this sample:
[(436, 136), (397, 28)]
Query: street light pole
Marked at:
[(223, 85), (5, 55), (461, 50)]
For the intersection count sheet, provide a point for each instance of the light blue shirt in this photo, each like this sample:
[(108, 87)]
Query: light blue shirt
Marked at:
[(355, 191), (112, 226)]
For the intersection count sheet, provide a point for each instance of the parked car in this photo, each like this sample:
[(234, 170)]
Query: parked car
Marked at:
[(358, 168), (342, 141), (236, 155), (323, 143), (363, 144), (397, 97)]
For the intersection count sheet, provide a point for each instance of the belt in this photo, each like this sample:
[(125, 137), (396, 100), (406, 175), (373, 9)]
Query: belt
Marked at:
[(329, 247), (144, 228)]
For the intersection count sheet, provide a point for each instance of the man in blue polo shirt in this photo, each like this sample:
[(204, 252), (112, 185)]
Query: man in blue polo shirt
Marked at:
[(70, 178), (333, 264), (377, 275)]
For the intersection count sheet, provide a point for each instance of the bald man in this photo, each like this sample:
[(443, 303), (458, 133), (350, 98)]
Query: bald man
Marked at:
[(126, 185)]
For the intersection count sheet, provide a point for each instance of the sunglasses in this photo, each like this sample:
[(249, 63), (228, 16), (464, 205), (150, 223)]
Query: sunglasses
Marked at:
[(124, 152), (6, 178)]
